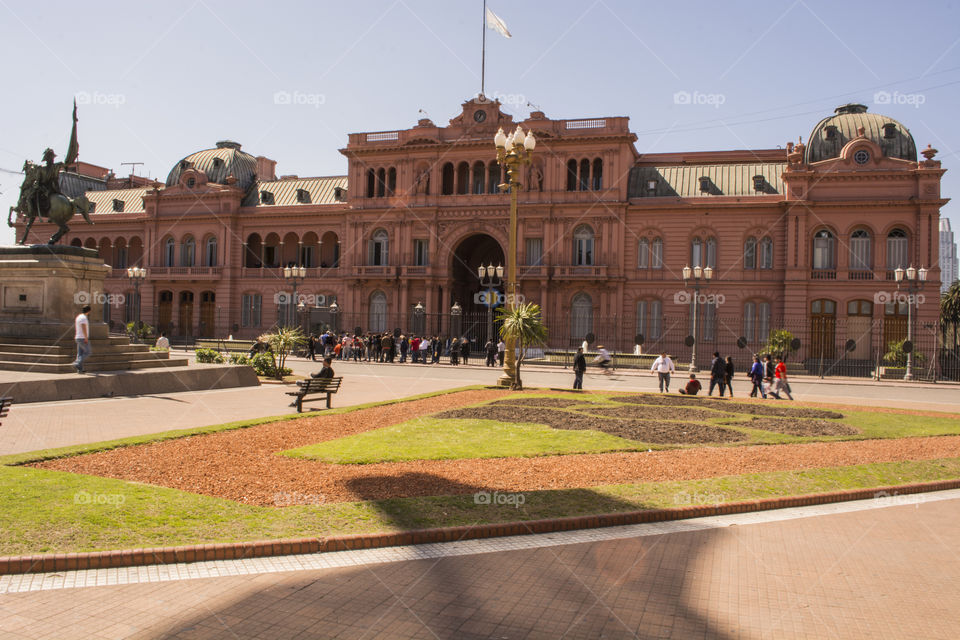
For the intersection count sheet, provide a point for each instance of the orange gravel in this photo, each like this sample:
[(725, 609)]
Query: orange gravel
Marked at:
[(241, 465)]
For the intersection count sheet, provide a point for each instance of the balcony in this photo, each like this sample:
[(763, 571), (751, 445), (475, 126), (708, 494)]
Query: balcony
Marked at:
[(276, 273), (375, 272), (532, 272), (823, 274), (860, 275), (415, 271), (581, 272), (182, 273)]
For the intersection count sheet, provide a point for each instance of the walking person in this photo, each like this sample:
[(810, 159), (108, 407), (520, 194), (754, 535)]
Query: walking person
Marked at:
[(312, 347), (491, 350), (82, 336), (718, 373), (756, 377), (664, 367), (465, 350), (579, 368), (455, 351), (767, 373), (603, 359), (728, 373), (780, 383), (501, 350)]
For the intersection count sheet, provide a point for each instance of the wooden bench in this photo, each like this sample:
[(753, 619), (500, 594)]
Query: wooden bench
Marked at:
[(5, 407), (315, 386)]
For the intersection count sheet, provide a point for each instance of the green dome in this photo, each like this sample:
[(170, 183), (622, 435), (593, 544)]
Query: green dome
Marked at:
[(833, 133)]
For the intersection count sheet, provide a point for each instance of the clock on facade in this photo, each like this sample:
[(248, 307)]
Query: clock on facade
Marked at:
[(479, 116)]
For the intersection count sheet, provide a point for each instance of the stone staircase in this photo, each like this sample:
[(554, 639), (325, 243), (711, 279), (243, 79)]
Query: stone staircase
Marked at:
[(110, 353)]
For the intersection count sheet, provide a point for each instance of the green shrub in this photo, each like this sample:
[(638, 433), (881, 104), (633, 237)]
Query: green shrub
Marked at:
[(209, 355), (239, 358), (263, 364)]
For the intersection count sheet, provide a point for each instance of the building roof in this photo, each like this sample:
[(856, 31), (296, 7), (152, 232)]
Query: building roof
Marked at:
[(297, 191), (117, 200), (684, 181), (76, 184), (833, 133), (218, 163)]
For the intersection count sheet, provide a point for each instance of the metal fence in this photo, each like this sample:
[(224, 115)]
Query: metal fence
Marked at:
[(824, 346)]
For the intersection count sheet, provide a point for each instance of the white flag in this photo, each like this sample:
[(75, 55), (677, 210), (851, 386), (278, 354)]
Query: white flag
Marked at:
[(494, 22)]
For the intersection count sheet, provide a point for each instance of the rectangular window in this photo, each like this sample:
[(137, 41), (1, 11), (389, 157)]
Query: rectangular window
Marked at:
[(766, 253), (250, 310), (860, 254), (534, 251), (270, 257), (306, 257), (656, 319), (750, 254), (643, 257), (749, 322), (709, 320), (584, 252), (642, 318), (763, 321), (656, 254), (121, 258), (420, 253)]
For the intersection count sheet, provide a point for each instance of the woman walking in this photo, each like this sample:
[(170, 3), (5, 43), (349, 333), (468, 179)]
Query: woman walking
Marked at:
[(729, 372), (756, 377)]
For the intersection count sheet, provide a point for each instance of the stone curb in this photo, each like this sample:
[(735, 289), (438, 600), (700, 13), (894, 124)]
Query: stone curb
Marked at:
[(238, 550)]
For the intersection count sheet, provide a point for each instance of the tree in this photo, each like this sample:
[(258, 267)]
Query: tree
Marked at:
[(283, 341), (778, 344), (523, 324), (950, 313), (897, 357)]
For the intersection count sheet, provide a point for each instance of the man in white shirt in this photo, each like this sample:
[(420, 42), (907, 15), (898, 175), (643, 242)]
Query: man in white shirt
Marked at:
[(82, 336), (424, 349), (163, 343), (664, 367), (501, 351)]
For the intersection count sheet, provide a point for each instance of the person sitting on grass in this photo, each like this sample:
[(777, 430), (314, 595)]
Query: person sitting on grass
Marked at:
[(326, 371), (693, 386)]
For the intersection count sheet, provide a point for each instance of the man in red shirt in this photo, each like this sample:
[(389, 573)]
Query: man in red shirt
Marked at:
[(780, 380), (693, 386), (415, 348)]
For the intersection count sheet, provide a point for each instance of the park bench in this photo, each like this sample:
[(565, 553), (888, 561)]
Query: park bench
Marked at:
[(315, 386), (5, 407)]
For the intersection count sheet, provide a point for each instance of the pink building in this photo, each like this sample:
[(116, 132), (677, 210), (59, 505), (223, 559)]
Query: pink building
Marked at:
[(805, 238)]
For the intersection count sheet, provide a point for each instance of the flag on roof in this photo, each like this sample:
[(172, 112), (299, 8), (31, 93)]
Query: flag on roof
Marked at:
[(494, 22)]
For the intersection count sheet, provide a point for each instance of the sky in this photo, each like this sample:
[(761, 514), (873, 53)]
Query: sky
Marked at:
[(290, 80)]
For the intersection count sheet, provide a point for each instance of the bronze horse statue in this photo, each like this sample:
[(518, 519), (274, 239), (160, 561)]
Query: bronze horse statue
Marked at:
[(61, 210)]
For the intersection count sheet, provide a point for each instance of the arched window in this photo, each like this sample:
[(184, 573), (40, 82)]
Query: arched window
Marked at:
[(169, 252), (571, 175), (897, 250), (379, 255), (493, 177), (766, 253), (650, 319), (583, 246), (597, 174), (581, 316), (371, 183), (446, 188), (656, 254), (463, 178), (860, 259), (643, 254), (824, 250), (391, 181), (750, 253), (210, 252), (188, 252), (378, 312), (479, 173), (381, 182), (584, 182), (696, 253)]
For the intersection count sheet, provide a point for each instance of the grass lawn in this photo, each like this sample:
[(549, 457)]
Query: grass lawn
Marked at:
[(55, 512), (432, 439)]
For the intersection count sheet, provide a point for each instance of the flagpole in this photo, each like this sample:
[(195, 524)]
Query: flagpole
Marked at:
[(483, 48)]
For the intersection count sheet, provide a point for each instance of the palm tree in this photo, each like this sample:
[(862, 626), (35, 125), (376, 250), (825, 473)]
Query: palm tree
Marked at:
[(522, 324), (950, 315), (283, 342)]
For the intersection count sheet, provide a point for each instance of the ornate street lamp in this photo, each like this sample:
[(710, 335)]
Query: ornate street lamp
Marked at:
[(693, 277), (418, 313), (294, 275), (334, 309), (490, 278), (136, 275), (915, 279), (455, 312), (513, 152)]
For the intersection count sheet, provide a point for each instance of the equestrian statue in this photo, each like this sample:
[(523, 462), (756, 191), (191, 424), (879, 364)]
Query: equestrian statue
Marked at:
[(40, 195)]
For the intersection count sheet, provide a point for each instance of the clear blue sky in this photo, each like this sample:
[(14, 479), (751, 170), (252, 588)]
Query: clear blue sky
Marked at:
[(162, 80)]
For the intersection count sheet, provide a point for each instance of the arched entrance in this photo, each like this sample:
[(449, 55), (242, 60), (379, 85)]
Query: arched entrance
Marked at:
[(478, 249)]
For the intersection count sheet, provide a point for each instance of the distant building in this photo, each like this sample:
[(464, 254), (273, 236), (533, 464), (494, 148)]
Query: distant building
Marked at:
[(948, 255), (805, 238)]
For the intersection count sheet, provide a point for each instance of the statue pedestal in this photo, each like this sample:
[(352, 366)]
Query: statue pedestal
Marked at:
[(43, 288)]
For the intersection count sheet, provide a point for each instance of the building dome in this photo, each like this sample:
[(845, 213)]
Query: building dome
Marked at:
[(831, 134), (218, 163)]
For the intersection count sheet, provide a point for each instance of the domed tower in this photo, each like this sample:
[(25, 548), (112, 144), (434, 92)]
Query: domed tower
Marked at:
[(832, 133), (218, 163)]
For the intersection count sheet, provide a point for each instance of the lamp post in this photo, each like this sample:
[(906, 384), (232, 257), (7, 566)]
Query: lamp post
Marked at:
[(513, 152), (693, 277), (294, 275), (334, 309), (136, 276), (455, 312), (490, 278), (418, 312), (915, 279)]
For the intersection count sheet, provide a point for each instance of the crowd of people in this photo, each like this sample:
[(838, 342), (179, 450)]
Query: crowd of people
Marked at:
[(387, 347), (767, 378)]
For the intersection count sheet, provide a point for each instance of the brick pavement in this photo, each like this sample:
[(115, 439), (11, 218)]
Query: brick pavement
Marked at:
[(858, 572)]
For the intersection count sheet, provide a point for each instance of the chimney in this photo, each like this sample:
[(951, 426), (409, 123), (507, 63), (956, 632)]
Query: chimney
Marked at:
[(266, 168)]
